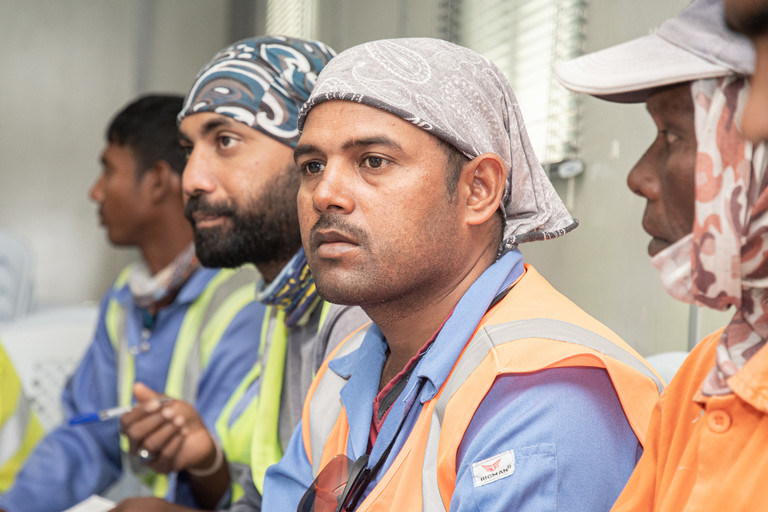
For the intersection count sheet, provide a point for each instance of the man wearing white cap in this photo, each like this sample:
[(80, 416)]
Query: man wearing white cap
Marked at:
[(705, 187)]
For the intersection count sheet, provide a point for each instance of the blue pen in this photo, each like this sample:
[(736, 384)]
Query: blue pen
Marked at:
[(103, 415), (108, 414)]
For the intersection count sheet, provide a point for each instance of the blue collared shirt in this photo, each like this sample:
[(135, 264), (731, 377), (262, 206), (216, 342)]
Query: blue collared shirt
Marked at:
[(574, 446)]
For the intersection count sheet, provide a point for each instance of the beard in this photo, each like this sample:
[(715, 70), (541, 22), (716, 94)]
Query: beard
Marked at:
[(266, 230)]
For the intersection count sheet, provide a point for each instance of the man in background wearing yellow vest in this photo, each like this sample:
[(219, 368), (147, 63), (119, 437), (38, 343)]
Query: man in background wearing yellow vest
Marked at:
[(479, 386), (238, 126), (19, 428), (167, 322)]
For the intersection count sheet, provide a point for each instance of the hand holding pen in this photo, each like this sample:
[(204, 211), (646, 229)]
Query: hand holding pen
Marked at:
[(170, 435), (103, 415)]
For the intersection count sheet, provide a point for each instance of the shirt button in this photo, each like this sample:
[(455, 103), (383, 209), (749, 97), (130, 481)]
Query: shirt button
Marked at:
[(719, 421)]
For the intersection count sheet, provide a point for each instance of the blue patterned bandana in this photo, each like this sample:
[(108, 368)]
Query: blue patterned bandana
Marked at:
[(261, 82)]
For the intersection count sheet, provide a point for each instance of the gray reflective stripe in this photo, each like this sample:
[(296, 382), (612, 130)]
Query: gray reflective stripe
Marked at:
[(121, 350), (240, 473), (479, 347), (243, 277), (430, 491), (14, 430), (560, 330), (325, 406), (545, 328)]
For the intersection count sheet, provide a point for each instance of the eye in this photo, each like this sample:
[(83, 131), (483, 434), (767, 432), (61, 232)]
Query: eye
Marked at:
[(226, 142), (312, 167), (669, 137), (187, 150), (374, 162)]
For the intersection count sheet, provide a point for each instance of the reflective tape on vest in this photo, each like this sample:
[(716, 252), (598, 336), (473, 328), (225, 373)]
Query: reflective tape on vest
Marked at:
[(13, 430), (325, 406)]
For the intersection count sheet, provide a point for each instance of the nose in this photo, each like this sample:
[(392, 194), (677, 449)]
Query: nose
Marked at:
[(197, 178), (754, 123), (97, 190), (643, 179), (332, 190)]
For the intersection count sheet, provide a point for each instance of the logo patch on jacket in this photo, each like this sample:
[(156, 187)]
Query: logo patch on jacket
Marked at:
[(493, 468)]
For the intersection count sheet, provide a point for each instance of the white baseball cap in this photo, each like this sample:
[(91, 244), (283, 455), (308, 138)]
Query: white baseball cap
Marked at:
[(693, 45)]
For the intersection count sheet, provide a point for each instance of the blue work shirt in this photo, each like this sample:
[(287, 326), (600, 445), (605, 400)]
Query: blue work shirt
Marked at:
[(73, 462), (573, 445)]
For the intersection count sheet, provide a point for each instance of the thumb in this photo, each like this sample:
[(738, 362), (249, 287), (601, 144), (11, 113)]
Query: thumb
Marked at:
[(144, 394)]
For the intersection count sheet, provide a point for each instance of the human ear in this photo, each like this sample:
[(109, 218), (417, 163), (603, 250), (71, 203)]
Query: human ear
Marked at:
[(160, 180), (485, 177)]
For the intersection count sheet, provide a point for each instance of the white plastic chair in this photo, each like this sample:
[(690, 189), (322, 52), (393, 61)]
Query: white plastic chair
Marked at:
[(667, 363), (45, 347), (15, 277)]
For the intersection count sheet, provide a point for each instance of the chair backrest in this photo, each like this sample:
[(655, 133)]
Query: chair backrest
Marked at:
[(15, 277), (667, 363), (45, 347)]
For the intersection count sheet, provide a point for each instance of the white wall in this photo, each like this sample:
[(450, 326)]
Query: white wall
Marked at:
[(67, 66)]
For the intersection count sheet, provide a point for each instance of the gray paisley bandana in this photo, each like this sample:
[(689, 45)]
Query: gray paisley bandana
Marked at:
[(261, 82), (462, 98)]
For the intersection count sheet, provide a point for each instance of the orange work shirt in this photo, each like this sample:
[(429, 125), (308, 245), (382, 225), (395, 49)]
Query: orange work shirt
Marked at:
[(705, 453)]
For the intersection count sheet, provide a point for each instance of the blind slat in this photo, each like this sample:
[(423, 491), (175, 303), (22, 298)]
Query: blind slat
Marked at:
[(523, 38)]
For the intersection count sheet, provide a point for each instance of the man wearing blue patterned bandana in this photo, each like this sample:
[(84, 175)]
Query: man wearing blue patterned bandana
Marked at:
[(239, 127)]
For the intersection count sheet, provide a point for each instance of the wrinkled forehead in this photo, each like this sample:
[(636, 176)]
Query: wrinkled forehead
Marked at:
[(748, 17), (445, 89), (340, 125)]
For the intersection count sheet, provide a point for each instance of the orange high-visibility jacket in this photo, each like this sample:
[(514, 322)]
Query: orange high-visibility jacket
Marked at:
[(533, 328)]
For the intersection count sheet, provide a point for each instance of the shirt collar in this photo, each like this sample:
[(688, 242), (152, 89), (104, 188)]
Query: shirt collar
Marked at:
[(460, 326), (750, 383), (440, 357)]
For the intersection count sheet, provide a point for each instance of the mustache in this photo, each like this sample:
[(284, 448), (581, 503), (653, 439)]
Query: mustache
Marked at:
[(340, 224), (198, 204)]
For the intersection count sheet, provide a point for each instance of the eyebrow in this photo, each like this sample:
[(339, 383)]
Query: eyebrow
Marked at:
[(207, 128), (377, 140)]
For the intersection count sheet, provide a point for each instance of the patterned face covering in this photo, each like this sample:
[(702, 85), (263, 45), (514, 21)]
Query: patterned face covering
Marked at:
[(729, 257), (462, 98), (150, 290)]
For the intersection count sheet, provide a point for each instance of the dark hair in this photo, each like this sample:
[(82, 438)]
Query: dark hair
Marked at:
[(454, 161), (148, 126)]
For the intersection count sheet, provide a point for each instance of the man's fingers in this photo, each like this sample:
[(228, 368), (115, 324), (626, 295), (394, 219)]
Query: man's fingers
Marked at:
[(156, 440), (137, 431)]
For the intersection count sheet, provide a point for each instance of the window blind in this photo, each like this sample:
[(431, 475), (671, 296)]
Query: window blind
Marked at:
[(291, 18), (524, 38)]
